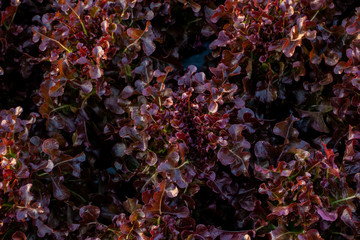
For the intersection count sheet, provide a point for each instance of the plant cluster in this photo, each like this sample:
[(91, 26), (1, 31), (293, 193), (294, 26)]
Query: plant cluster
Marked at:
[(128, 134)]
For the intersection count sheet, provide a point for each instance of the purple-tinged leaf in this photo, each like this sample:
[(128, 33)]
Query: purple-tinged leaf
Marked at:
[(73, 162), (310, 35), (246, 199), (24, 170), (289, 47), (278, 45), (340, 106), (89, 213), (43, 229), (328, 216), (18, 236), (265, 92), (354, 28), (242, 164), (95, 72), (26, 195), (151, 158), (131, 205), (172, 191), (265, 150), (182, 212), (281, 233), (317, 4), (111, 103), (235, 131), (60, 192), (347, 218), (285, 128), (281, 211), (219, 13), (50, 146), (148, 45), (126, 92), (180, 174), (213, 107), (314, 57), (226, 156), (317, 120), (98, 52), (86, 87), (221, 41), (134, 33), (332, 58)]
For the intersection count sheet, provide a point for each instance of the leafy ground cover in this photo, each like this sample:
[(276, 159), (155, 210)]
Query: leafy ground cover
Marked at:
[(178, 119)]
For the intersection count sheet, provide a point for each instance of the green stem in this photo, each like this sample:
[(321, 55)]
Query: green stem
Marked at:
[(65, 48), (42, 174), (132, 228), (344, 199), (77, 195), (7, 234), (314, 15), (183, 164), (86, 98), (313, 167), (65, 161), (59, 108), (148, 181), (281, 235), (191, 22), (242, 160), (294, 176), (113, 231), (10, 152), (131, 44), (7, 205), (160, 203), (257, 229), (77, 15), (12, 20)]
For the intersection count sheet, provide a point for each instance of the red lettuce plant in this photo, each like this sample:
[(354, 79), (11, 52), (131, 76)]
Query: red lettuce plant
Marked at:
[(261, 143)]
